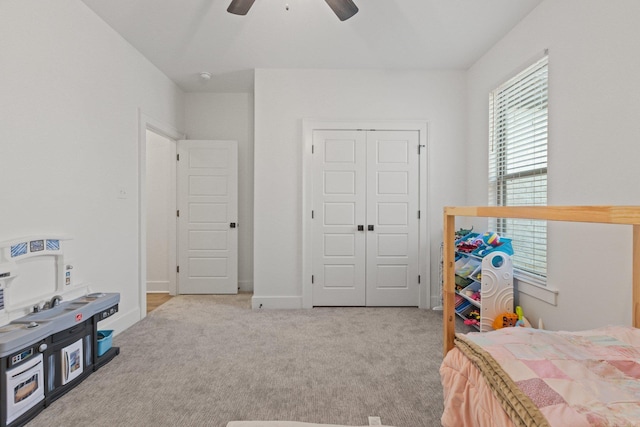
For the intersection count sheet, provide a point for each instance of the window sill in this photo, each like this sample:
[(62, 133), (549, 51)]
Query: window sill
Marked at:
[(534, 288)]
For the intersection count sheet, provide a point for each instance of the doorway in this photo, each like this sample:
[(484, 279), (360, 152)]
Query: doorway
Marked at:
[(149, 128), (160, 214), (146, 123)]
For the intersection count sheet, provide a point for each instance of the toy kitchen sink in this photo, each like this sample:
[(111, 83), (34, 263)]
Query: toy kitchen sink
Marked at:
[(45, 353), (39, 325)]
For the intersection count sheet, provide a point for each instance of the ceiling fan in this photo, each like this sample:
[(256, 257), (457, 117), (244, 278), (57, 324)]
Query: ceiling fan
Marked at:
[(344, 9)]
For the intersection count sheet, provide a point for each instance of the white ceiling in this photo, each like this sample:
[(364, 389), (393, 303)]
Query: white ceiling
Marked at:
[(184, 37)]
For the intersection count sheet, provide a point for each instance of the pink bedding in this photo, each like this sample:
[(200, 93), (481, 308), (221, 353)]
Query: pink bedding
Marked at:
[(589, 378), (468, 400)]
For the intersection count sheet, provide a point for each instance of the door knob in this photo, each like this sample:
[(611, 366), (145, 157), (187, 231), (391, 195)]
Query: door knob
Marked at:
[(232, 225), (360, 227), (370, 227)]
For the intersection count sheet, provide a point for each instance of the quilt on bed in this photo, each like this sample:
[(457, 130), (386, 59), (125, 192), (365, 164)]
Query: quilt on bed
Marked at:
[(589, 378)]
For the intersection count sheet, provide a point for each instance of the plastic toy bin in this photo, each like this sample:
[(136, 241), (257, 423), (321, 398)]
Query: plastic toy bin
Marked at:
[(104, 341)]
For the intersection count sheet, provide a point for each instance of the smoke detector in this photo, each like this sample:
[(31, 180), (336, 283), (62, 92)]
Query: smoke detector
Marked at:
[(205, 76)]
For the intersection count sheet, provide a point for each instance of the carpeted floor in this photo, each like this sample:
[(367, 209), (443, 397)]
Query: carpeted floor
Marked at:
[(207, 360)]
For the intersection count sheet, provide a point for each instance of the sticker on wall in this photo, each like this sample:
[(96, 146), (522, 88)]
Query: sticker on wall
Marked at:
[(67, 274), (19, 249), (53, 245)]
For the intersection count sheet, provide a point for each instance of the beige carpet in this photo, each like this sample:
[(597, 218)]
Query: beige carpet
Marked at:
[(281, 424), (209, 360)]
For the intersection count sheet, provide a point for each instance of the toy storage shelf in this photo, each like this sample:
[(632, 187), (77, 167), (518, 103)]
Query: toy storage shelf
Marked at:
[(484, 284)]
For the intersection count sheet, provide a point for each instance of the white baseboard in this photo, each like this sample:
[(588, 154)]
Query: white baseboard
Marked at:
[(158, 286), (289, 303)]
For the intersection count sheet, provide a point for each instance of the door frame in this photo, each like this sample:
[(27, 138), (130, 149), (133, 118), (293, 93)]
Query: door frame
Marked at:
[(424, 258), (147, 123)]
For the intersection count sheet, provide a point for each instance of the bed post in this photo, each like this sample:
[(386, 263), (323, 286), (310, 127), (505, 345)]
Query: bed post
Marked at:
[(448, 287), (635, 312)]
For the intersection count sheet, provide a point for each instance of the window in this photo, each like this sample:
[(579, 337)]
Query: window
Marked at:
[(518, 163)]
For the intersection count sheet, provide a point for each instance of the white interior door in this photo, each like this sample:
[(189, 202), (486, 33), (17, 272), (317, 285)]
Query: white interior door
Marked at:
[(207, 221), (365, 225)]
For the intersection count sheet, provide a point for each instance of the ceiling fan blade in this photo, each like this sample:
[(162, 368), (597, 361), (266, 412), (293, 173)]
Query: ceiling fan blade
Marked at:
[(344, 9), (240, 7)]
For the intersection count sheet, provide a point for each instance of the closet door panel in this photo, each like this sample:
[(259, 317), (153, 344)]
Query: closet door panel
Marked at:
[(339, 207), (392, 210)]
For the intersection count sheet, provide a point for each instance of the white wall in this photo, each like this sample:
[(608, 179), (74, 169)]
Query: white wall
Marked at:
[(594, 108), (70, 90), (230, 116), (161, 209), (283, 98)]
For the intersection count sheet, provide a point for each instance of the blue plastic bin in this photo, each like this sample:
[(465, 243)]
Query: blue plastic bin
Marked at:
[(104, 341)]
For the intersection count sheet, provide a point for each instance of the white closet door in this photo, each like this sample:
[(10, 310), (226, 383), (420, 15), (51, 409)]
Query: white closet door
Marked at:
[(392, 218), (208, 204), (339, 183), (365, 226)]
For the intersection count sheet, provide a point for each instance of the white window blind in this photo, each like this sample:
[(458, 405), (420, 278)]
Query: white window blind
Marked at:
[(518, 162)]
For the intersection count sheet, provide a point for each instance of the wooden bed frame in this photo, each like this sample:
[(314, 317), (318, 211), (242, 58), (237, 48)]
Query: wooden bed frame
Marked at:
[(629, 215)]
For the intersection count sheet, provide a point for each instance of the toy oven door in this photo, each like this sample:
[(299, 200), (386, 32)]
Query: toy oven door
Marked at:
[(71, 357), (25, 387)]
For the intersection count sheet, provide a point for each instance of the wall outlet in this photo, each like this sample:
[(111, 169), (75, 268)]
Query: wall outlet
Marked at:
[(122, 193), (375, 421)]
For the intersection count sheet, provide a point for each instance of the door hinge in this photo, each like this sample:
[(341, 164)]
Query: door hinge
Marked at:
[(177, 157), (419, 147), (312, 279), (313, 148), (312, 215), (178, 213), (177, 269), (418, 214), (418, 278)]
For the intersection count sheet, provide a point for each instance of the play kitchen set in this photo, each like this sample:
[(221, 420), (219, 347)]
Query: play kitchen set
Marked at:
[(46, 348)]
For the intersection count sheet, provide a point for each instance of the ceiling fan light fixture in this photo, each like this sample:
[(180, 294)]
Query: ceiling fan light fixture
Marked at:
[(344, 9)]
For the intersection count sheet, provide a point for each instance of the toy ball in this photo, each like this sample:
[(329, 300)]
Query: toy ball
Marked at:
[(491, 238)]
